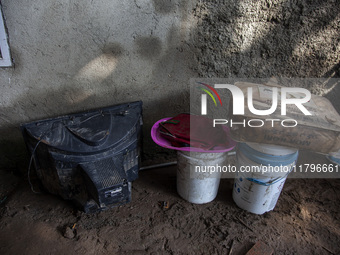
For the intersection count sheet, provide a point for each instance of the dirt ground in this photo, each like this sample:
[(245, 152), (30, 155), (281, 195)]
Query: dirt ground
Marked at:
[(232, 39), (306, 220)]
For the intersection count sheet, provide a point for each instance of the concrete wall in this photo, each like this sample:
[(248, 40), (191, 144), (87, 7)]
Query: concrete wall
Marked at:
[(75, 55)]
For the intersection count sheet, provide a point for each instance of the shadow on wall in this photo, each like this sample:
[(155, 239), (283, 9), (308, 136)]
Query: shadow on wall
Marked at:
[(334, 88), (232, 39), (13, 154), (165, 92), (291, 38), (269, 38)]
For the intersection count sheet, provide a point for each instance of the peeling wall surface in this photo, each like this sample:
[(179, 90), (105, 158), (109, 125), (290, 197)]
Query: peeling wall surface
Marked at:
[(72, 55)]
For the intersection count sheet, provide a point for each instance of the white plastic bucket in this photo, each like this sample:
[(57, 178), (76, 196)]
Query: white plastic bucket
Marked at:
[(195, 182), (262, 172)]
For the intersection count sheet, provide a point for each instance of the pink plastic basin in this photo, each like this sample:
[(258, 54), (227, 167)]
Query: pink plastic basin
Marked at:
[(158, 139)]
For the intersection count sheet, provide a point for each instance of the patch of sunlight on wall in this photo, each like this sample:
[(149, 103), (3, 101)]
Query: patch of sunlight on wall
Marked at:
[(326, 91), (250, 28), (248, 33), (79, 96), (98, 69)]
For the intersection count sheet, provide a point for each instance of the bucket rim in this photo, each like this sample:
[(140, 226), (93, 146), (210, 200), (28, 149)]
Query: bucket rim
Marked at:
[(267, 159), (272, 149)]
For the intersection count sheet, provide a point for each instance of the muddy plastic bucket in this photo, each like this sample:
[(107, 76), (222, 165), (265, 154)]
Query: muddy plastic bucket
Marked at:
[(262, 172), (198, 177)]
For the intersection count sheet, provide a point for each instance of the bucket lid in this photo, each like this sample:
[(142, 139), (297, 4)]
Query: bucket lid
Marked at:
[(266, 158), (272, 149)]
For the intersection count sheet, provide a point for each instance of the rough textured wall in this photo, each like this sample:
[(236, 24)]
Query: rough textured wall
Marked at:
[(76, 55), (265, 38), (282, 38)]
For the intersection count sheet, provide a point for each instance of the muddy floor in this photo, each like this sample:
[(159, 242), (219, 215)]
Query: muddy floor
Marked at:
[(306, 220), (232, 39)]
